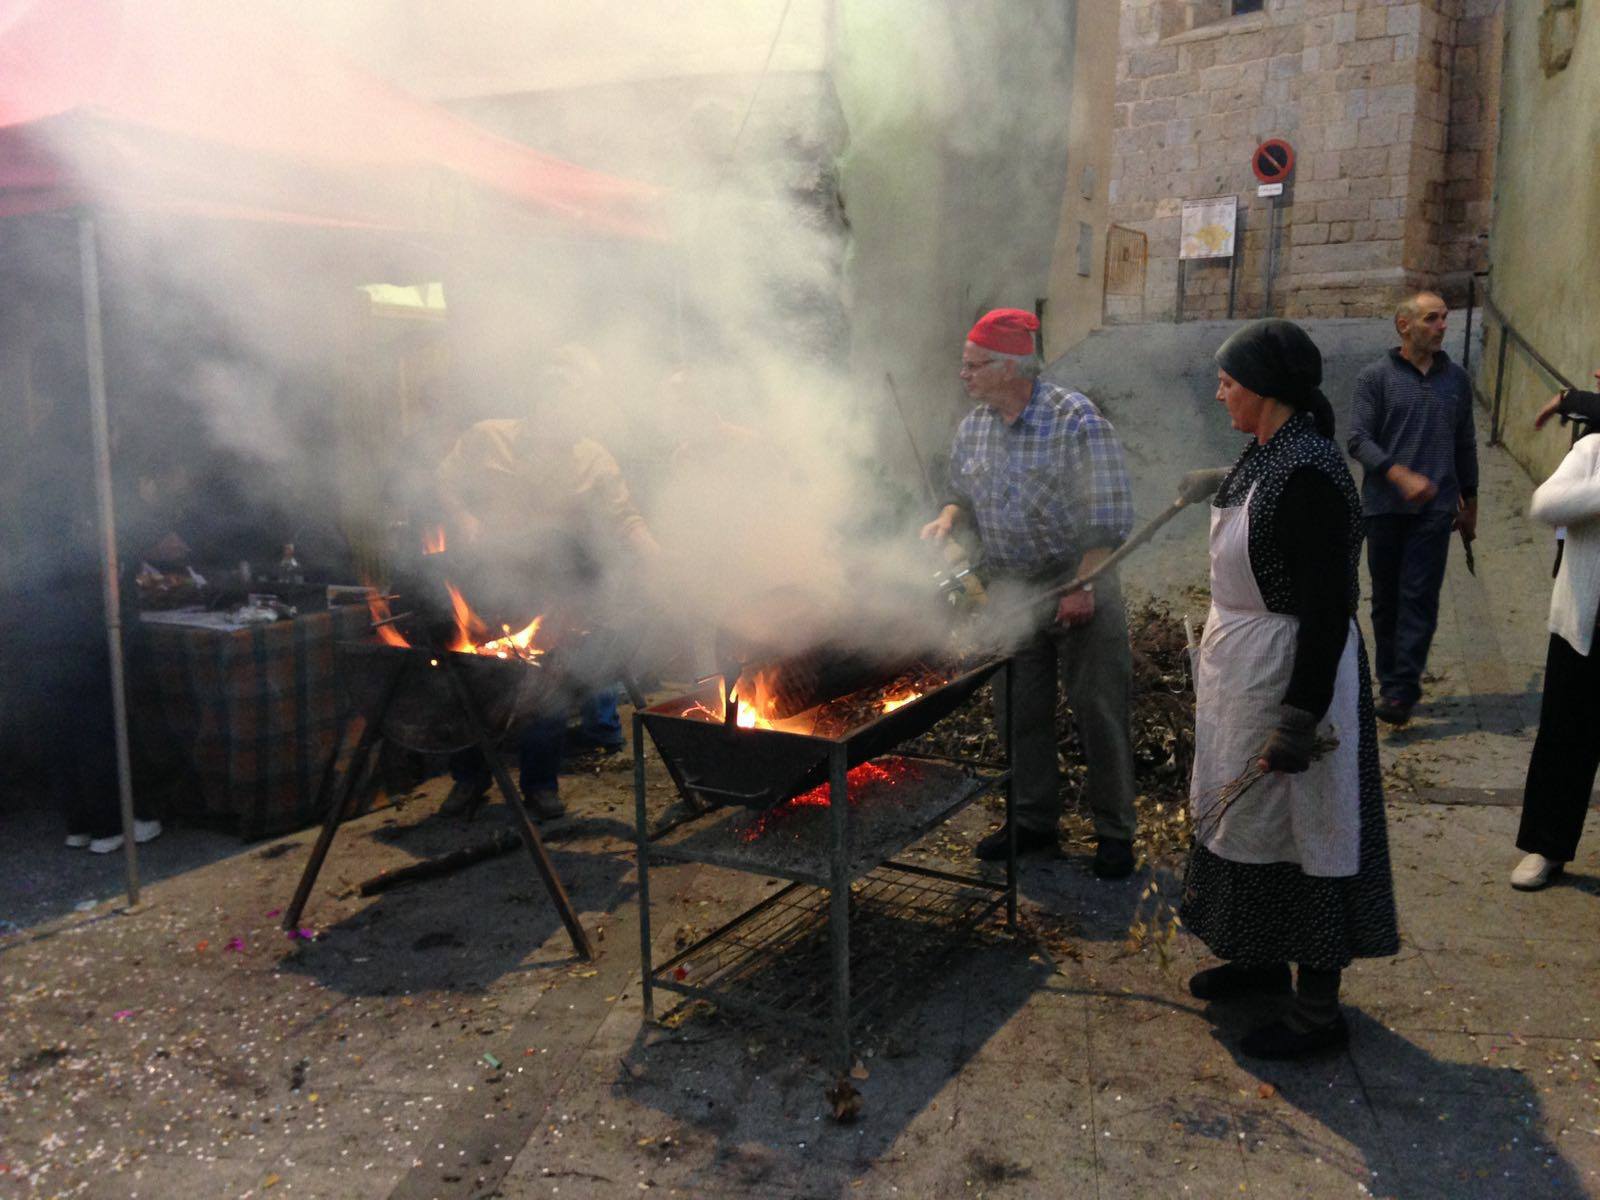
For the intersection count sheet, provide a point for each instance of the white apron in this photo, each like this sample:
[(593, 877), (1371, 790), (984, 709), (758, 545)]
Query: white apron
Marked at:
[(1245, 659)]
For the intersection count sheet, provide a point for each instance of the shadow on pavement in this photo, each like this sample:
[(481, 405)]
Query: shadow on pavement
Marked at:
[(744, 1098), (44, 879), (457, 932), (1428, 723), (1426, 1126)]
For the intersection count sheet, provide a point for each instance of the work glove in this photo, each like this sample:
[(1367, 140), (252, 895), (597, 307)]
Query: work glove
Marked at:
[(1288, 748), (1200, 485)]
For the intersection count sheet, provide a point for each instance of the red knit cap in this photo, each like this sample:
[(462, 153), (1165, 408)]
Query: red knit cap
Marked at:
[(1005, 330)]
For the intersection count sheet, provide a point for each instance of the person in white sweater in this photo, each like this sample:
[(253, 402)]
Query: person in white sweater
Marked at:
[(1566, 752)]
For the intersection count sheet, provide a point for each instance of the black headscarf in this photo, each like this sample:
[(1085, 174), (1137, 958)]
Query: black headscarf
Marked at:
[(1278, 359)]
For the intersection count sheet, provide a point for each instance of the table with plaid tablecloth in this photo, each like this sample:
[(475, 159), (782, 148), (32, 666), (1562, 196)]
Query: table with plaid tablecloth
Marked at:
[(251, 712)]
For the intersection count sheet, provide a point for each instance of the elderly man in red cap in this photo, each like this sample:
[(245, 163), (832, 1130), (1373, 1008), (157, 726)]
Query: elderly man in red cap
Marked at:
[(1038, 473)]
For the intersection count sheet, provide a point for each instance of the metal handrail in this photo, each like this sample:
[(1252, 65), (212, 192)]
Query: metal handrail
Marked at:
[(1509, 334)]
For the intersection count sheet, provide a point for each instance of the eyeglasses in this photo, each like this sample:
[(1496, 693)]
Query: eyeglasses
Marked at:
[(968, 367)]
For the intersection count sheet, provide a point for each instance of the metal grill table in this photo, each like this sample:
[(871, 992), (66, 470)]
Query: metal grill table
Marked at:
[(774, 960), (794, 956)]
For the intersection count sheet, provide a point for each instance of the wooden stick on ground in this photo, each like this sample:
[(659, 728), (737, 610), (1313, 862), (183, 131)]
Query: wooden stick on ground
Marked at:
[(503, 842)]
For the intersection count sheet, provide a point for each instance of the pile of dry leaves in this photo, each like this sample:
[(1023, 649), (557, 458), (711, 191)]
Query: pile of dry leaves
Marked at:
[(1161, 721)]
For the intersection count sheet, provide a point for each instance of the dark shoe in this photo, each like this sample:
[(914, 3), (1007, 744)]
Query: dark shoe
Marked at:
[(1113, 858), (1279, 1040), (1392, 712), (464, 798), (1231, 981), (545, 804), (993, 847)]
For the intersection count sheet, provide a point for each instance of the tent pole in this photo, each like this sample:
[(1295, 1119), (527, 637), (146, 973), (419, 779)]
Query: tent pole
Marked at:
[(99, 428)]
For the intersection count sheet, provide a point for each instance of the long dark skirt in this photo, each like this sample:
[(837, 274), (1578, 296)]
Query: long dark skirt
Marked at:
[(1255, 913)]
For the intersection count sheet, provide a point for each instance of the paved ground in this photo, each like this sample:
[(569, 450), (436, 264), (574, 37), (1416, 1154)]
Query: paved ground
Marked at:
[(441, 1040)]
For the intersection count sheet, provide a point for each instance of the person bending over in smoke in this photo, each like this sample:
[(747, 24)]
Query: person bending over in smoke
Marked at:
[(548, 514)]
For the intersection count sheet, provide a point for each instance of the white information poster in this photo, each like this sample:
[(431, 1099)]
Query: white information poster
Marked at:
[(1208, 227)]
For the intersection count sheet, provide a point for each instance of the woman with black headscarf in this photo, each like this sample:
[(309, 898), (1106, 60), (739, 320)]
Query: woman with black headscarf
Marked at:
[(1296, 868)]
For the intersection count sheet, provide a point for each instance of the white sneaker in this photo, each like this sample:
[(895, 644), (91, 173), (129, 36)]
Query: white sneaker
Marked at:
[(1534, 872), (78, 840), (143, 831)]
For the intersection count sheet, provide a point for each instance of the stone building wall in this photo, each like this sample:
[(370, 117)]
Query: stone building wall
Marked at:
[(1391, 108), (1546, 241)]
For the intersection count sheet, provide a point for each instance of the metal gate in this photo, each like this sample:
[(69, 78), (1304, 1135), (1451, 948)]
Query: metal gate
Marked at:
[(1127, 251)]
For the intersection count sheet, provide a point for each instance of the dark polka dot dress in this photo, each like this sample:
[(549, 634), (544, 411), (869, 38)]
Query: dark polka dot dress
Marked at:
[(1273, 912)]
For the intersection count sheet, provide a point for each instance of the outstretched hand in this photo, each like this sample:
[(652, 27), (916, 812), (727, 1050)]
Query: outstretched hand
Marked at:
[(1551, 407)]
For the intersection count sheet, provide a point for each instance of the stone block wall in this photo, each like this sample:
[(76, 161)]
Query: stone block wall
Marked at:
[(1390, 107)]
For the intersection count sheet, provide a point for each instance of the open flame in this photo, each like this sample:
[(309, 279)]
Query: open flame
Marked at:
[(756, 701), (514, 645), (471, 633), (378, 606), (433, 540), (468, 626)]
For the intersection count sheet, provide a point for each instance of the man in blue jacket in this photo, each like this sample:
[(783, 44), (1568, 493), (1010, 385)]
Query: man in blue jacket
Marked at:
[(1411, 429)]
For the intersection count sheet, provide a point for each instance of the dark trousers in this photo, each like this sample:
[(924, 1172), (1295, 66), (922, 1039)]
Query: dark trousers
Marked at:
[(539, 745), (1565, 754), (1094, 665), (77, 736), (1406, 556), (74, 726)]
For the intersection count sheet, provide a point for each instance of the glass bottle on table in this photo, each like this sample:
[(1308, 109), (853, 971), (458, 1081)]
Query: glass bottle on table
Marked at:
[(289, 568)]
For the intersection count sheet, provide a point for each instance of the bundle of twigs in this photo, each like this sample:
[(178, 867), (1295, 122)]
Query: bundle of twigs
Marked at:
[(1155, 922), (1216, 805)]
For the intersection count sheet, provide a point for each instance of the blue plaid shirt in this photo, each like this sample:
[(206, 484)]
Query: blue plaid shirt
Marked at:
[(1044, 489)]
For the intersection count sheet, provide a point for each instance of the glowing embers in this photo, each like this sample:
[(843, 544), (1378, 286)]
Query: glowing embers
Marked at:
[(868, 785)]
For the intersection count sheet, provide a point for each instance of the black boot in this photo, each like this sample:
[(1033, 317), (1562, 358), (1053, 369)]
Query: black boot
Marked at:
[(1314, 1024), (1113, 858), (1232, 981), (993, 848)]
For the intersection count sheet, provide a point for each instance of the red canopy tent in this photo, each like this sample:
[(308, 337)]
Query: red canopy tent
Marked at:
[(195, 108), (198, 107)]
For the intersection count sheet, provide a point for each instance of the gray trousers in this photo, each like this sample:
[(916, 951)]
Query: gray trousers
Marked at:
[(1093, 663)]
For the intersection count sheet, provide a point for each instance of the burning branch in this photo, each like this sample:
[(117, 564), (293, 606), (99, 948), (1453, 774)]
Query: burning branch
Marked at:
[(471, 633)]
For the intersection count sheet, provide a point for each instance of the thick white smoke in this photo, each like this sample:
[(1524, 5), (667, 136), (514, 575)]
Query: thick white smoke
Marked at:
[(743, 356)]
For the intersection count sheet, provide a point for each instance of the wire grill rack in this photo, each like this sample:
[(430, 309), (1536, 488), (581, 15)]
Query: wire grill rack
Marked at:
[(774, 960)]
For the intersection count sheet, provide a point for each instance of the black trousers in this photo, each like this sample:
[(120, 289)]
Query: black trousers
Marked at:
[(1565, 754), (73, 724)]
